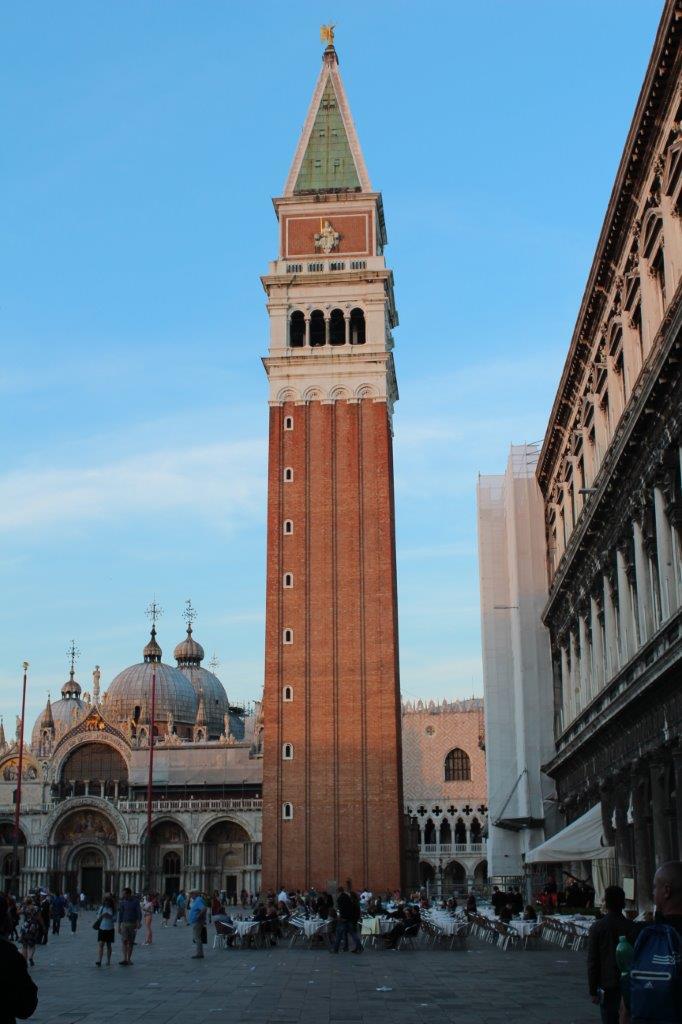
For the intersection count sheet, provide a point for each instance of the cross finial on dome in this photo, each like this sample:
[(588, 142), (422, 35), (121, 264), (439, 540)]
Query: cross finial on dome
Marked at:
[(73, 653), (214, 663), (189, 614), (154, 612)]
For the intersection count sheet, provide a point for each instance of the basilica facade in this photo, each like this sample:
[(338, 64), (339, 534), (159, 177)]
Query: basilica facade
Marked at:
[(83, 822)]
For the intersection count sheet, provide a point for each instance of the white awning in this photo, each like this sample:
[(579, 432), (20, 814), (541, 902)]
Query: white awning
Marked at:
[(583, 839)]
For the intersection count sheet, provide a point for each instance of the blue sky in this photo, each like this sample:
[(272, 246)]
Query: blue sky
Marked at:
[(142, 144)]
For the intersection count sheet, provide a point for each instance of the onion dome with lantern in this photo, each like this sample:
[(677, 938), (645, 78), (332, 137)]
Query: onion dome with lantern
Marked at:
[(60, 715), (189, 654), (129, 696)]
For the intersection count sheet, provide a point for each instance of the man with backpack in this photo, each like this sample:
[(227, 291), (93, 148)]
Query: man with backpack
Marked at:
[(655, 978), (603, 976)]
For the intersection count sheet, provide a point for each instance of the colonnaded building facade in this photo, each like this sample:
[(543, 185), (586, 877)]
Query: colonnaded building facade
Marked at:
[(602, 508), (609, 472)]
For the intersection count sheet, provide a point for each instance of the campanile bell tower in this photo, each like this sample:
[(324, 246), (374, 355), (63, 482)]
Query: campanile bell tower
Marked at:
[(332, 786)]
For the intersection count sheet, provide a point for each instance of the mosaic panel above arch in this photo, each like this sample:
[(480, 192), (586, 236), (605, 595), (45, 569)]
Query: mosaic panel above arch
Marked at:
[(85, 824)]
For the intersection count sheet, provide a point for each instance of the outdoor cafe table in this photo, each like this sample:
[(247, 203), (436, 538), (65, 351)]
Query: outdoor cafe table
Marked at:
[(314, 925), (444, 922), (522, 928), (377, 925), (244, 928)]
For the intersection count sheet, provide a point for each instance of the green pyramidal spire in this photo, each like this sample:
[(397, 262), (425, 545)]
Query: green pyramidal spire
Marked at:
[(328, 162)]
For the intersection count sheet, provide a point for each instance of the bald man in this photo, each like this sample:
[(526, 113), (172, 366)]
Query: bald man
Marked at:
[(668, 894)]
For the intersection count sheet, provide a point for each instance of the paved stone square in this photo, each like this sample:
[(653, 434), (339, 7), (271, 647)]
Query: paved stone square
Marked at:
[(164, 985)]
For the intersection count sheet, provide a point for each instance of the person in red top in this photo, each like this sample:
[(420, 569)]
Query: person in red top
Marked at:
[(216, 904)]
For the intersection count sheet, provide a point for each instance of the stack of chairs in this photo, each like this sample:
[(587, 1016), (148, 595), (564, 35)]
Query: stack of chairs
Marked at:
[(297, 931), (506, 937), (222, 934)]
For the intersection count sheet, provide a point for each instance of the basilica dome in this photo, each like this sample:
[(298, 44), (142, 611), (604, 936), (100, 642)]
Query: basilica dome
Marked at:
[(128, 698), (61, 715), (189, 655)]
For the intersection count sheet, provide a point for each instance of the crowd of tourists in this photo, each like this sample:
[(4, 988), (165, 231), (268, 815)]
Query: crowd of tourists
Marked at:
[(621, 951)]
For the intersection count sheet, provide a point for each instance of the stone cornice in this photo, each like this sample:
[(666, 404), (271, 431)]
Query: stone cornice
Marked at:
[(662, 75)]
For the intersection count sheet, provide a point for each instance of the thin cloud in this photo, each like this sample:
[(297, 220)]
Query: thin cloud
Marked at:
[(225, 481)]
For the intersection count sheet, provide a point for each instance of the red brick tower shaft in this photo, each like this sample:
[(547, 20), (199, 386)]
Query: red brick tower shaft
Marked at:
[(332, 787)]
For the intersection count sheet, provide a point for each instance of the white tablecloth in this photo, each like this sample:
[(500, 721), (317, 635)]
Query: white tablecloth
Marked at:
[(243, 928), (522, 928), (444, 922), (377, 925), (314, 925)]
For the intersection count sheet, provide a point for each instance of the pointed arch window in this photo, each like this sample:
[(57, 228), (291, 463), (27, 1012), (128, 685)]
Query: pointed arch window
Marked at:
[(287, 751), (287, 811), (288, 693), (288, 636), (288, 422), (288, 580), (288, 526), (457, 766)]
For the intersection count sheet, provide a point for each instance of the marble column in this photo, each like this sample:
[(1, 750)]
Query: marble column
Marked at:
[(575, 701), (627, 623), (646, 618), (660, 810), (307, 332), (641, 813), (586, 693), (597, 648), (664, 548), (677, 769), (565, 687), (612, 663), (622, 836)]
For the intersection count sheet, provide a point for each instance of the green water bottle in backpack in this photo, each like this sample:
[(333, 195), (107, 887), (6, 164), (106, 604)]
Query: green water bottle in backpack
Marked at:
[(624, 956)]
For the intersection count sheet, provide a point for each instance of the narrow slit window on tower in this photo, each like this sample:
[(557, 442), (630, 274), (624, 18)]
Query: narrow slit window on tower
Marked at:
[(287, 752), (317, 328), (288, 580), (357, 327), (288, 636), (296, 329), (337, 327), (288, 422), (288, 526), (287, 811), (288, 693), (288, 475)]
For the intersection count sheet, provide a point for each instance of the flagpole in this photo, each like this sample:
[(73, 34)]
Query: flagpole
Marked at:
[(150, 783), (17, 794)]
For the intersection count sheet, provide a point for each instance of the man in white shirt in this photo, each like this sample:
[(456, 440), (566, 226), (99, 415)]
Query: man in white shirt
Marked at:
[(283, 896)]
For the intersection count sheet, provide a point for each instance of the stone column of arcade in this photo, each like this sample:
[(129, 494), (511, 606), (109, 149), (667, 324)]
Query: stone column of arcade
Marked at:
[(621, 835), (677, 769), (660, 799), (641, 813)]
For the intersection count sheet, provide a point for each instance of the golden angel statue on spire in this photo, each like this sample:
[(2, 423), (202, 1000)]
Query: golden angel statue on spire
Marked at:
[(327, 34)]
